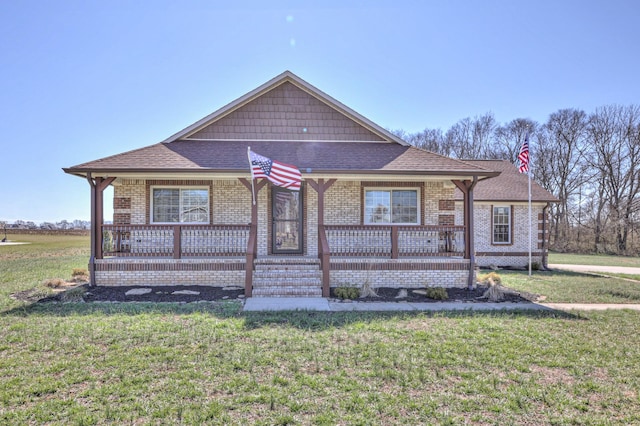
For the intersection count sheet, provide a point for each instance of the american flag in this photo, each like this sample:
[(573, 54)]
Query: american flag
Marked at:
[(523, 156), (280, 174)]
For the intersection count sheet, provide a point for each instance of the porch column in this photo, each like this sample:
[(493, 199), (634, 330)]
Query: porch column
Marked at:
[(466, 186), (252, 246), (320, 187), (98, 185)]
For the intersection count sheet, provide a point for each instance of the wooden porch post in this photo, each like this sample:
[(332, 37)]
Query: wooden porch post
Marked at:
[(98, 185), (466, 186), (252, 246), (320, 187)]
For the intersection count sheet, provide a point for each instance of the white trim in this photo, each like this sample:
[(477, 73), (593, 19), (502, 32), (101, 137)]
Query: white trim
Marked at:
[(179, 187), (391, 189), (282, 140)]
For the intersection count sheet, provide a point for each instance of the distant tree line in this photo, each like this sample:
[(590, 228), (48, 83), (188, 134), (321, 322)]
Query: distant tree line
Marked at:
[(62, 225), (589, 161)]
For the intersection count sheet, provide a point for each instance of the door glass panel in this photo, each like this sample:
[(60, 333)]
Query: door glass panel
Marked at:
[(286, 231)]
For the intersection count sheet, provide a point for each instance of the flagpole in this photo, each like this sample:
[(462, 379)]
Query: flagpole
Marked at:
[(530, 232), (253, 191)]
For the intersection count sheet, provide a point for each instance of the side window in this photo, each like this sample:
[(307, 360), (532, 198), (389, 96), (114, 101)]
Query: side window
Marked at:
[(501, 225)]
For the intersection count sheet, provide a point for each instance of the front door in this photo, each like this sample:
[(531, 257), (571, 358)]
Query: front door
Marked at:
[(286, 227)]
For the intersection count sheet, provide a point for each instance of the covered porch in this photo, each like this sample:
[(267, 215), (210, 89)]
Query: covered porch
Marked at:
[(229, 254)]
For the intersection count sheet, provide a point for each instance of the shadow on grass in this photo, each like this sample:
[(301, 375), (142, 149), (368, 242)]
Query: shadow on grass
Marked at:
[(625, 294), (325, 320), (307, 320)]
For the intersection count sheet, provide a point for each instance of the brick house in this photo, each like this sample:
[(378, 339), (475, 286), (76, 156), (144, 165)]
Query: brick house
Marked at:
[(501, 217), (371, 207)]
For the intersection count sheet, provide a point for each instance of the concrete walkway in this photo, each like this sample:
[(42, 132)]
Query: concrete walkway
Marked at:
[(320, 304)]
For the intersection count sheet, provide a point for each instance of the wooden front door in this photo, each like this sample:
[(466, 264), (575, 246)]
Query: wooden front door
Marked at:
[(286, 226)]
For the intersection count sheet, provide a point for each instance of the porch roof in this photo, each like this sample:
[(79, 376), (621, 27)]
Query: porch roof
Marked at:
[(509, 186), (211, 156)]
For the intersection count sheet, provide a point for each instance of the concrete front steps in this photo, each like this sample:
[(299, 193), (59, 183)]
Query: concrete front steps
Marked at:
[(287, 277)]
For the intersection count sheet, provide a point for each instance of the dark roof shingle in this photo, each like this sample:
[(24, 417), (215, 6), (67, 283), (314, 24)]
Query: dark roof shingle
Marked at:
[(231, 156), (510, 185)]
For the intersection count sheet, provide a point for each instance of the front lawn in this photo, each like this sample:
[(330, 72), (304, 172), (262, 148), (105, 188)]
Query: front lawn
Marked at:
[(592, 259), (573, 287), (143, 363)]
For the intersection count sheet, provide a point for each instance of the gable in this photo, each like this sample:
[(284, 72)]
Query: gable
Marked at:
[(286, 112)]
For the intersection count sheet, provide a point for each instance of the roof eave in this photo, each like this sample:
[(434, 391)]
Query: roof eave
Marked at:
[(82, 172)]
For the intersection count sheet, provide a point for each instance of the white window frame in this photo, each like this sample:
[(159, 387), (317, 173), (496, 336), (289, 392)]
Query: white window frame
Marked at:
[(391, 189), (509, 225), (179, 187)]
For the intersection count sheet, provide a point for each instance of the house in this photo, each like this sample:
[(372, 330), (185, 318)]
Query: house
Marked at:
[(501, 217), (371, 207)]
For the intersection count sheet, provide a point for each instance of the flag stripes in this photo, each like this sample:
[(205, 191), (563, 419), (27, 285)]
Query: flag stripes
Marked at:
[(280, 174), (523, 156)]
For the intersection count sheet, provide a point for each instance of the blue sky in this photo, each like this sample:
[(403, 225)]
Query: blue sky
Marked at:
[(81, 80)]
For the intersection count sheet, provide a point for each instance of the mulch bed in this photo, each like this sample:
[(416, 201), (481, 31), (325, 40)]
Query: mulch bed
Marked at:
[(386, 294), (162, 294), (210, 294)]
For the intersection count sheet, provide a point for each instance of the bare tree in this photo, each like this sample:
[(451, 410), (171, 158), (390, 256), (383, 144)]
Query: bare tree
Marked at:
[(560, 166), (509, 138), (471, 138), (614, 133)]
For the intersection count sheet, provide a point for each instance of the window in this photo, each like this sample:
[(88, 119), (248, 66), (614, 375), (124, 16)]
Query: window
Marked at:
[(385, 206), (502, 225), (183, 205)]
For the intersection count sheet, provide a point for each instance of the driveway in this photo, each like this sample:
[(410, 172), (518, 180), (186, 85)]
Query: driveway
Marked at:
[(597, 269)]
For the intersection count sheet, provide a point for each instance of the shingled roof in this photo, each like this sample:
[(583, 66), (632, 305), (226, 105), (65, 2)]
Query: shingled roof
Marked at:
[(309, 157), (288, 120), (509, 186)]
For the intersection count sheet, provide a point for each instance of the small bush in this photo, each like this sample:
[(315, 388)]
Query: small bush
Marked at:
[(54, 283), (495, 291), (347, 293), (80, 275), (79, 272), (491, 277), (535, 266), (73, 295), (437, 293), (367, 290)]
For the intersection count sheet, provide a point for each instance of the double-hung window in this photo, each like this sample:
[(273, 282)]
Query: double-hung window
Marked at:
[(501, 225), (179, 205), (391, 206)]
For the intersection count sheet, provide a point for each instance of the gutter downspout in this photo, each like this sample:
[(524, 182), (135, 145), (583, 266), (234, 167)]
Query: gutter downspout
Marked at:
[(545, 249), (92, 259)]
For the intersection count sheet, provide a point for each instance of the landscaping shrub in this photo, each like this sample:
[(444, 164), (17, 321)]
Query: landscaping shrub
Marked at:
[(73, 295), (437, 293), (79, 275), (495, 291), (347, 293), (79, 271), (54, 283), (491, 277)]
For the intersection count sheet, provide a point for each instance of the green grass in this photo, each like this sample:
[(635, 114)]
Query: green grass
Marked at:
[(588, 259), (198, 364), (573, 287)]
